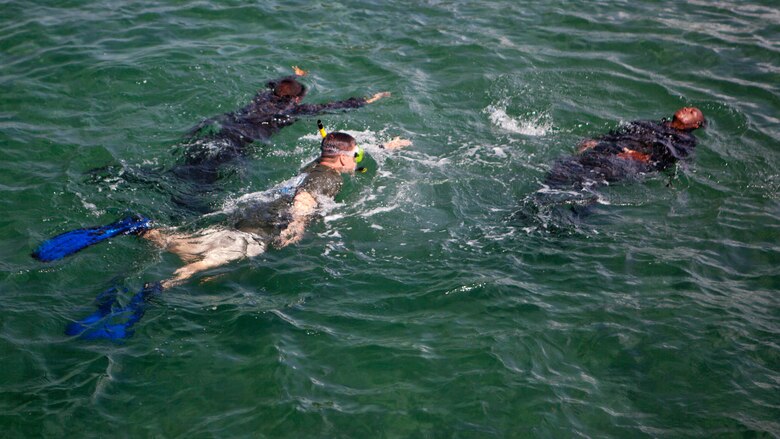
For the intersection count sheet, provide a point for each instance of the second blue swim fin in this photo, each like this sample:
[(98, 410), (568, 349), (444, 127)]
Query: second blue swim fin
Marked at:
[(70, 242), (111, 321)]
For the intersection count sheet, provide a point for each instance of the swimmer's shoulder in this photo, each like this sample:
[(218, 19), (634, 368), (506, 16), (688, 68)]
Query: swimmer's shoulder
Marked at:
[(321, 179)]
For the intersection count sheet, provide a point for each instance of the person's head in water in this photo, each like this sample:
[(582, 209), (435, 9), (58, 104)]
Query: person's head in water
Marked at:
[(290, 88), (339, 151), (687, 119)]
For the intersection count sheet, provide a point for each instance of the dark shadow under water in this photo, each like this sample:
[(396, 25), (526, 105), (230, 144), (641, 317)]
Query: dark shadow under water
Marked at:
[(194, 185), (555, 212)]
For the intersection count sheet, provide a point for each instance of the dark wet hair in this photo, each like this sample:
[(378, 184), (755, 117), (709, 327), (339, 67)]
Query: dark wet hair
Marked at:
[(289, 88), (336, 144)]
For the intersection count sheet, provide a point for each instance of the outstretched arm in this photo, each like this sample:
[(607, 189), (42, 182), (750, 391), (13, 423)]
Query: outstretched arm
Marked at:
[(304, 206), (396, 143), (378, 96), (312, 109)]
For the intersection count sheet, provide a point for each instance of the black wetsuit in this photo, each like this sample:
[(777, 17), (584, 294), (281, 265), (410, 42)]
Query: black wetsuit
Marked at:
[(223, 138), (601, 164), (267, 219)]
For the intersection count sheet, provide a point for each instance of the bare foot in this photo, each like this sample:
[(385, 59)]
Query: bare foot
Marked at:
[(299, 71)]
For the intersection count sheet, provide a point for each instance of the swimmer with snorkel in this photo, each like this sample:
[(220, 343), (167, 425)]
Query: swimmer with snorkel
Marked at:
[(246, 232)]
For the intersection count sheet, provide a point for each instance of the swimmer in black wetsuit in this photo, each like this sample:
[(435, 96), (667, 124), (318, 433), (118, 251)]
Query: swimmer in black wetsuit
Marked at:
[(250, 228), (223, 138), (637, 148), (631, 151)]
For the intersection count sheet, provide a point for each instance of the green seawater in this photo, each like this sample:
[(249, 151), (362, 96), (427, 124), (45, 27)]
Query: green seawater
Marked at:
[(420, 306)]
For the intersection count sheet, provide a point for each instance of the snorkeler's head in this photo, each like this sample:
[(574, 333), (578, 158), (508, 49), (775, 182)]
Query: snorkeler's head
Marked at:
[(688, 118), (340, 151), (289, 88), (335, 144)]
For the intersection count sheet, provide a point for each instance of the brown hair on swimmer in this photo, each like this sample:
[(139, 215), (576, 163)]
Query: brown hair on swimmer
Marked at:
[(289, 88), (687, 119), (335, 144)]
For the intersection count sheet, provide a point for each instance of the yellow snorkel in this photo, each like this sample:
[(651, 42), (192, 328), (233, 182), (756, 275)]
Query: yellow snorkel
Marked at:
[(321, 128), (358, 155)]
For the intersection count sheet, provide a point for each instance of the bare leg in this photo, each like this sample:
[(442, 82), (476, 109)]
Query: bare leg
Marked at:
[(205, 250), (187, 271), (176, 243)]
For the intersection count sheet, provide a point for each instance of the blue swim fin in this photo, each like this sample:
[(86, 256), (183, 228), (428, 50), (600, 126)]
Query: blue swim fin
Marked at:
[(70, 242), (110, 321)]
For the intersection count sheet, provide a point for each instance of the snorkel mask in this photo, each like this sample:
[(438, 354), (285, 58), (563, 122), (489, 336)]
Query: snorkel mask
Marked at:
[(358, 152)]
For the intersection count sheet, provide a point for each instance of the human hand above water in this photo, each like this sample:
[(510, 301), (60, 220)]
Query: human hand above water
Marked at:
[(377, 97), (396, 143), (299, 71)]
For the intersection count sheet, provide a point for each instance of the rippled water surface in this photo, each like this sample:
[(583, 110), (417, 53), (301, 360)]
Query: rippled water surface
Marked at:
[(421, 305)]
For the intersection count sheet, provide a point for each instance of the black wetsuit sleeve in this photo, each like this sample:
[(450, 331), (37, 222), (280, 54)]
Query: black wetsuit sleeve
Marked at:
[(338, 105)]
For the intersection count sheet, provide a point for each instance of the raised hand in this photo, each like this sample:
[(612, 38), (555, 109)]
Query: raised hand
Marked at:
[(299, 71), (397, 143), (377, 97)]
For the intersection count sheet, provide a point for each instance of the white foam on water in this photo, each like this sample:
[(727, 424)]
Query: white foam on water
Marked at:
[(536, 124), (330, 234), (373, 212), (327, 205), (231, 204), (499, 152), (334, 217), (91, 207)]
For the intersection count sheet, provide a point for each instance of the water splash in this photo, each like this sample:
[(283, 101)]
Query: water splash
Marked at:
[(285, 188), (532, 124)]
